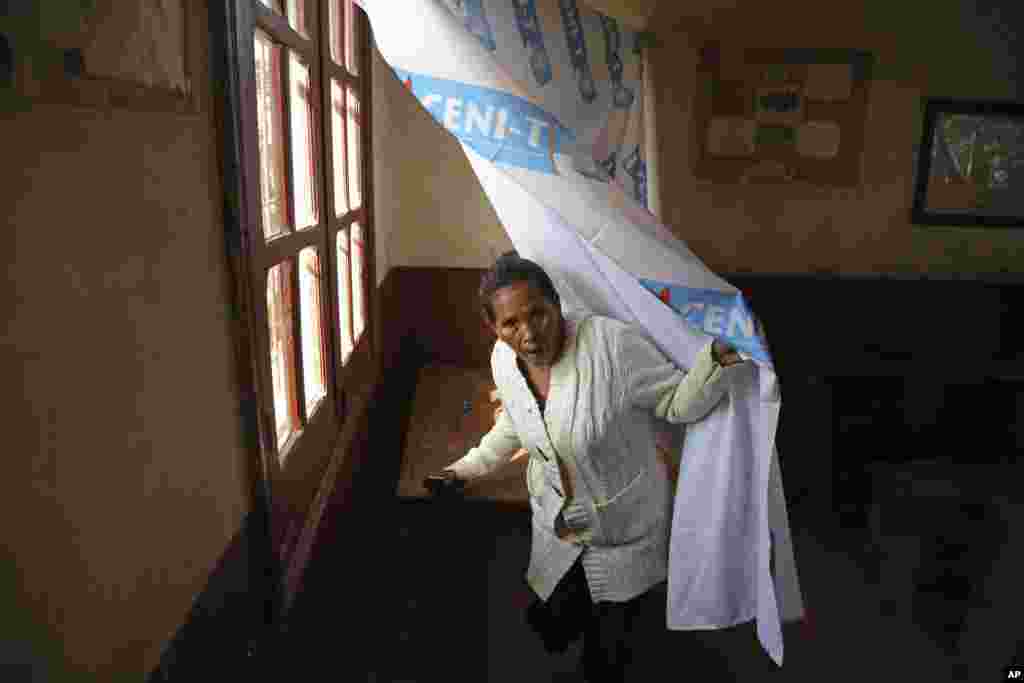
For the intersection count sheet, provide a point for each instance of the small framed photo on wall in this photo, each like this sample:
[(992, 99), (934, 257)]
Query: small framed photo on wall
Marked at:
[(970, 164), (781, 115)]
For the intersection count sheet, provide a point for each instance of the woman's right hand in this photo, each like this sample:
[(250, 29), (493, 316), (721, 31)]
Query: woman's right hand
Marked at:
[(724, 354), (446, 475), (443, 483)]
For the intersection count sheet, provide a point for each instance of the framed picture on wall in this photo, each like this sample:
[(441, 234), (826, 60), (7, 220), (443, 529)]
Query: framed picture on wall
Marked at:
[(102, 53), (780, 115), (970, 164)]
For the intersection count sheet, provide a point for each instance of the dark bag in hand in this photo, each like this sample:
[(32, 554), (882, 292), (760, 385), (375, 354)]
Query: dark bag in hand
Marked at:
[(444, 487)]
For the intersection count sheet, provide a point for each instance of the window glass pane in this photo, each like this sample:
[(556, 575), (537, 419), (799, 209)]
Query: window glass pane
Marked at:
[(344, 295), (282, 350), (270, 122), (353, 123), (353, 37), (298, 16), (358, 282), (337, 18), (303, 143), (310, 310), (338, 142)]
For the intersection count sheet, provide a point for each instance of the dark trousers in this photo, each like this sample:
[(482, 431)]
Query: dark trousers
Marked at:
[(610, 630)]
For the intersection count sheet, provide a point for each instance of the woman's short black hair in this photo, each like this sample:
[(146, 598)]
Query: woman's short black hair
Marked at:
[(509, 269)]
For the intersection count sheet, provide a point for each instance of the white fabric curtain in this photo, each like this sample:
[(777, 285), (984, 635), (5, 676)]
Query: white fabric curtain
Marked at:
[(545, 97)]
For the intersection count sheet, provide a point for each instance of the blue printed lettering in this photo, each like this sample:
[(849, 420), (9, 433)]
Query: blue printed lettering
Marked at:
[(713, 320), (690, 308), (475, 117), (536, 127), (740, 324), (721, 314), (501, 127), (452, 112)]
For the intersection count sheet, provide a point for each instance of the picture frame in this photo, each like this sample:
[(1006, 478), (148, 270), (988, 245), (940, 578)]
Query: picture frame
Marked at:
[(782, 116), (970, 164), (103, 54)]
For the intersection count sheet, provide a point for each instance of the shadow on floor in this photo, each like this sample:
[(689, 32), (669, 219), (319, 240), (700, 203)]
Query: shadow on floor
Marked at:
[(403, 591), (423, 591)]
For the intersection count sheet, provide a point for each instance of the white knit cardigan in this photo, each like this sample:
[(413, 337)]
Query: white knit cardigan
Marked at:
[(593, 475)]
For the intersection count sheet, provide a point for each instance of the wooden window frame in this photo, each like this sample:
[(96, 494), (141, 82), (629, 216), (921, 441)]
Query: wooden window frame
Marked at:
[(283, 476)]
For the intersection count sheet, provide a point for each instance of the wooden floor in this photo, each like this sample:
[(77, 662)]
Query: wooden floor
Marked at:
[(415, 590), (425, 591), (403, 590), (440, 596)]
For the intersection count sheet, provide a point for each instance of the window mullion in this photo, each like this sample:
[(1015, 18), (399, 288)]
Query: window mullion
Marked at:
[(259, 269), (351, 303), (342, 222), (329, 263), (276, 25), (293, 199), (286, 116), (341, 74), (362, 57), (281, 248), (328, 260), (351, 328), (317, 139), (297, 345)]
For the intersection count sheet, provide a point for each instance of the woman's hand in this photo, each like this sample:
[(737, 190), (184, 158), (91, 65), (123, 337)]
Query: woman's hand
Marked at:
[(666, 459), (447, 475), (443, 482), (724, 355)]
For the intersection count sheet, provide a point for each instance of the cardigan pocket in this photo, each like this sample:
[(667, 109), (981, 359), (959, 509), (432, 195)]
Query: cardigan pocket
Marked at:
[(629, 514)]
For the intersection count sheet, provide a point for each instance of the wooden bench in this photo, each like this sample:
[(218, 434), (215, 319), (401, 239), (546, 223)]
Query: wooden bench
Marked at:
[(452, 410), (441, 431)]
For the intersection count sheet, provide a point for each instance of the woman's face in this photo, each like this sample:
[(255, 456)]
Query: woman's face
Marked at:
[(529, 323)]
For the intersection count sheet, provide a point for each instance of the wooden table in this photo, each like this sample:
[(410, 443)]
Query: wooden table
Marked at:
[(441, 431)]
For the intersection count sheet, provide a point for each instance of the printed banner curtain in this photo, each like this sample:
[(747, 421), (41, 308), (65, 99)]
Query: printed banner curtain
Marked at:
[(545, 97)]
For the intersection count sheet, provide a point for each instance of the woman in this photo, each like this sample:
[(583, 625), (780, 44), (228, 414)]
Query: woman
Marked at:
[(580, 393)]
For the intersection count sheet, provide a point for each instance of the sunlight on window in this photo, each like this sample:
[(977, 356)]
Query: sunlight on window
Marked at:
[(352, 39), (336, 8), (270, 122), (298, 16), (303, 149), (358, 281), (338, 143), (282, 350), (344, 296), (310, 311), (303, 178), (355, 152)]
